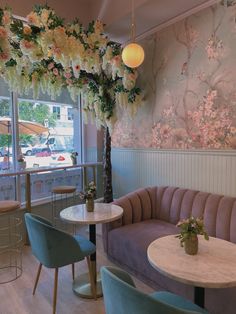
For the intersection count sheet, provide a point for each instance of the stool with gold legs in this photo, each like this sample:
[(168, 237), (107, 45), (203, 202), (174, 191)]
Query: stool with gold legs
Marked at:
[(11, 241), (62, 197)]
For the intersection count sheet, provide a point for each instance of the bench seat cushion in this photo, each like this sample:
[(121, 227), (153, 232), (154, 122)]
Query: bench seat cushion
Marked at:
[(128, 244)]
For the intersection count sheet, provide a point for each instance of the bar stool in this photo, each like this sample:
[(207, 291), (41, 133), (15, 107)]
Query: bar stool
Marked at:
[(61, 198), (11, 241)]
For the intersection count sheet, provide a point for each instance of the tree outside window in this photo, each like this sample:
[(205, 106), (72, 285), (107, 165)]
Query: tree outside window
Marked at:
[(4, 107), (5, 139)]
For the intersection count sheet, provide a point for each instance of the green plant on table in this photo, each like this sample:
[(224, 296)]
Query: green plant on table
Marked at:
[(73, 157), (191, 227)]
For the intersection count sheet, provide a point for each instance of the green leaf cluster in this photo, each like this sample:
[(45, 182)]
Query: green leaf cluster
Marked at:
[(191, 227), (133, 93), (1, 15)]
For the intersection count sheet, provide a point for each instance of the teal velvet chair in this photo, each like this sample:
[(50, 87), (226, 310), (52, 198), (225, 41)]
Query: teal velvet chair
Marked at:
[(54, 248), (121, 297)]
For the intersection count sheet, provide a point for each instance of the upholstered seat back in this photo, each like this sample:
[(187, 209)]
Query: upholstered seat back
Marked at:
[(138, 206), (121, 297), (52, 247), (218, 212), (172, 204)]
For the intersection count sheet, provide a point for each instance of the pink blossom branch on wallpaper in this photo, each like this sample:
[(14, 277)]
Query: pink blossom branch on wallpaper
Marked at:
[(194, 105), (165, 133), (210, 125)]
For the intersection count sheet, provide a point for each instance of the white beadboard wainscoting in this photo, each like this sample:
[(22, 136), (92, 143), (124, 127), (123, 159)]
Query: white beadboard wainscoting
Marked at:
[(205, 170)]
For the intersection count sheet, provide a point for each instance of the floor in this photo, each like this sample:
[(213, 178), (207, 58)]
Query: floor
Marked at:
[(16, 297)]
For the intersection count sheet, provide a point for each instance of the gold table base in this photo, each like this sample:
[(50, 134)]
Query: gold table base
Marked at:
[(82, 287)]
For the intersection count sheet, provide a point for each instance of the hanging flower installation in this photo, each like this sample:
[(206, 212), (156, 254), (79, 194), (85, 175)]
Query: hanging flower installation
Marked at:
[(5, 19), (46, 55)]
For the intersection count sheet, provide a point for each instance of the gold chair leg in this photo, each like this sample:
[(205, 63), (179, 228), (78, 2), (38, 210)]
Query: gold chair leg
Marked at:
[(37, 278), (73, 271), (91, 278), (55, 291)]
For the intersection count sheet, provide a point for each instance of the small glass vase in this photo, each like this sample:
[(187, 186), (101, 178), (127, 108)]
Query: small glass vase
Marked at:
[(90, 204), (191, 245)]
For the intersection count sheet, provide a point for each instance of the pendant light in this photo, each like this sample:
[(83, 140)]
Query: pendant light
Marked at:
[(133, 54)]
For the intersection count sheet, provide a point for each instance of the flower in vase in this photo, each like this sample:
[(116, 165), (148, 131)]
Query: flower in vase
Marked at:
[(191, 227), (73, 157), (90, 191)]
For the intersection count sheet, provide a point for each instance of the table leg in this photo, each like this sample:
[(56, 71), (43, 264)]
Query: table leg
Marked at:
[(81, 285), (199, 296), (93, 257)]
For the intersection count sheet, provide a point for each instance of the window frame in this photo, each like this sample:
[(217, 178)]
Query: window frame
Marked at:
[(57, 112), (13, 113), (70, 114)]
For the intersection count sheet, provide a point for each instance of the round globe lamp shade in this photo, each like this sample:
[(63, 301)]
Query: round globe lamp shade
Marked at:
[(133, 55)]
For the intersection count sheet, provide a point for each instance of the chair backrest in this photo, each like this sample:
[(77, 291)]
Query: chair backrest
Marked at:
[(52, 247), (121, 296)]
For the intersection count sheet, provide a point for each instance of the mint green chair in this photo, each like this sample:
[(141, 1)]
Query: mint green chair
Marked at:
[(55, 248), (121, 297)]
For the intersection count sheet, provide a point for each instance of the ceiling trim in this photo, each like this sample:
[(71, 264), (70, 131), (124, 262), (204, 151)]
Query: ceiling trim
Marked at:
[(176, 19)]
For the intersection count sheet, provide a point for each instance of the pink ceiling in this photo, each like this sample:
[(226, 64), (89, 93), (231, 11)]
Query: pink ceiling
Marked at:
[(116, 14)]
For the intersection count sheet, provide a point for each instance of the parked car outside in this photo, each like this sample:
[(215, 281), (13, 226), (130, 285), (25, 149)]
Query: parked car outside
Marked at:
[(41, 151), (26, 149), (48, 146)]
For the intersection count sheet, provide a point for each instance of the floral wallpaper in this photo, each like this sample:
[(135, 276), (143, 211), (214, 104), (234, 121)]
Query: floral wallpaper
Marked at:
[(189, 79)]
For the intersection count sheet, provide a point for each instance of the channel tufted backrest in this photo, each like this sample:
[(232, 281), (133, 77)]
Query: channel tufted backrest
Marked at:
[(219, 212), (172, 204), (138, 205)]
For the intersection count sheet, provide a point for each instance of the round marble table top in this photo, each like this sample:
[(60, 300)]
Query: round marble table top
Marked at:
[(102, 213), (213, 267)]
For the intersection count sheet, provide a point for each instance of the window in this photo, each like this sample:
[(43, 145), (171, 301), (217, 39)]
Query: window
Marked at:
[(53, 147), (57, 112), (50, 148), (7, 184), (4, 107), (70, 114), (5, 135)]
